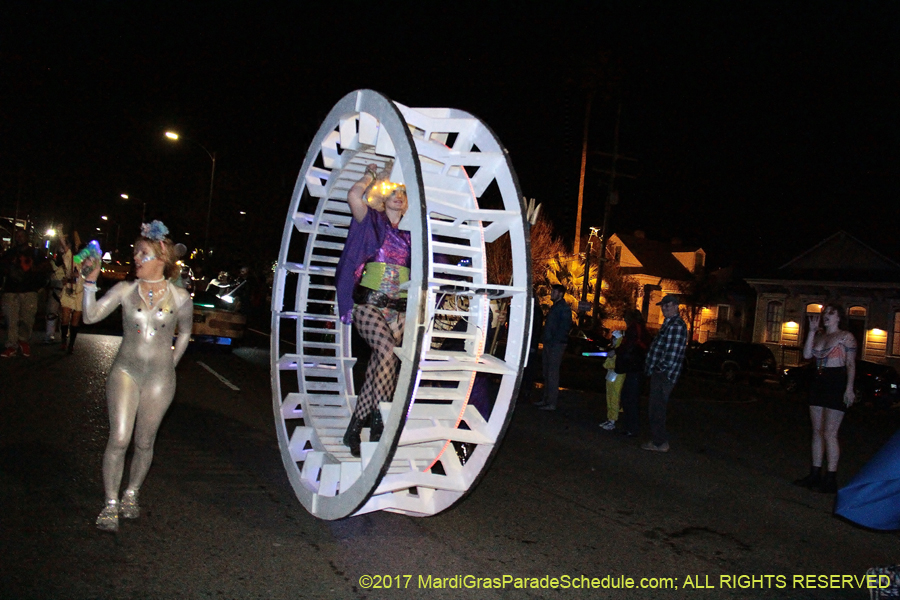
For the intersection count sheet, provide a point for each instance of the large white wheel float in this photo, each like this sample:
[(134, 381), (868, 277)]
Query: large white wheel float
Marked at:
[(448, 160)]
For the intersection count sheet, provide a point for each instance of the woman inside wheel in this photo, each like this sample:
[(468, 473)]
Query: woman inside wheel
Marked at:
[(831, 392), (373, 266), (141, 382)]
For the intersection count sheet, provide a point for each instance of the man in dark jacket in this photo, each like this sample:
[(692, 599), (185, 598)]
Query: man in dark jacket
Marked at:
[(529, 373), (25, 273), (555, 338)]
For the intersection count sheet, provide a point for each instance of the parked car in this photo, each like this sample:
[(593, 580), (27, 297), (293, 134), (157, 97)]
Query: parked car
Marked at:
[(216, 320), (733, 360), (588, 343), (875, 383), (115, 271)]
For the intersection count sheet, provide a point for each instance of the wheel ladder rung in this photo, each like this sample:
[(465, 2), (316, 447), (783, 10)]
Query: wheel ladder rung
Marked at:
[(443, 360), (301, 269), (441, 393), (316, 400), (320, 331), (327, 245), (321, 345), (455, 249)]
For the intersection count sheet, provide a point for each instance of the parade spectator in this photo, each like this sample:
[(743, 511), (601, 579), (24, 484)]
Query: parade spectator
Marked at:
[(630, 361), (831, 393), (199, 281), (26, 272), (54, 294), (530, 371), (614, 382), (555, 339), (244, 290), (220, 284), (71, 299), (664, 362)]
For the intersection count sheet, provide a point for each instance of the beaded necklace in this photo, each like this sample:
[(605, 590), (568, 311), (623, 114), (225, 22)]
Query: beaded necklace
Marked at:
[(159, 310), (161, 292)]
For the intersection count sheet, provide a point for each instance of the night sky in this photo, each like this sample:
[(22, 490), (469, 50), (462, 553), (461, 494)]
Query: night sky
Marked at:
[(759, 128)]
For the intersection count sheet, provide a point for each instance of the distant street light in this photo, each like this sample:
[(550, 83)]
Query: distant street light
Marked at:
[(212, 178), (143, 210)]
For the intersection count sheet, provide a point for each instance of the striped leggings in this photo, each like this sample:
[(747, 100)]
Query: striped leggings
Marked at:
[(381, 374)]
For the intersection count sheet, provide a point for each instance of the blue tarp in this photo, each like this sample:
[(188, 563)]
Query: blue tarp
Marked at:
[(872, 498)]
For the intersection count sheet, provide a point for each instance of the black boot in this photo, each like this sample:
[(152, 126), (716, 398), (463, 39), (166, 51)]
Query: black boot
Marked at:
[(812, 480), (351, 436), (63, 336), (376, 425), (829, 483), (73, 333)]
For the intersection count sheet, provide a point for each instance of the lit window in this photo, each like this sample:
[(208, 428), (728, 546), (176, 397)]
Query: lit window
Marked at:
[(723, 318), (895, 350)]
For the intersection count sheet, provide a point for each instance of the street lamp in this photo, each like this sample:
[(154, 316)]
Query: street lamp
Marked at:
[(212, 178), (49, 234)]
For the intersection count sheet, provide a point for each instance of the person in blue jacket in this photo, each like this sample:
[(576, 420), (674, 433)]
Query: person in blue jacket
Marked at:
[(555, 338)]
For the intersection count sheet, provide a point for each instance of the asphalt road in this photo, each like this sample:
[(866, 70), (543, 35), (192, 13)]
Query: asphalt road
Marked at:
[(563, 498)]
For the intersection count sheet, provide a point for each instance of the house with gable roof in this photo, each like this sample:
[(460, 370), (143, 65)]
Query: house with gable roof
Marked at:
[(659, 268), (839, 269)]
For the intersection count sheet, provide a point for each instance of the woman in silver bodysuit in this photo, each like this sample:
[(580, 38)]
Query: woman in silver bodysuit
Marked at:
[(141, 383)]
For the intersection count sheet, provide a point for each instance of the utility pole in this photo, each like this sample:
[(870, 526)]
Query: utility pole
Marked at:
[(586, 280), (584, 145), (612, 198)]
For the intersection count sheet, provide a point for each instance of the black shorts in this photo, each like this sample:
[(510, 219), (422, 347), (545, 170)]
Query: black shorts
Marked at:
[(828, 387)]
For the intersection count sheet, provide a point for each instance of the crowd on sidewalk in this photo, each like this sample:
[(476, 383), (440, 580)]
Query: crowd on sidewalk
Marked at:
[(32, 277), (632, 357), (636, 361)]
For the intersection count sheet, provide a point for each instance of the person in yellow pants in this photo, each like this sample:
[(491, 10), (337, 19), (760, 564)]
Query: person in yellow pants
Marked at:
[(614, 383)]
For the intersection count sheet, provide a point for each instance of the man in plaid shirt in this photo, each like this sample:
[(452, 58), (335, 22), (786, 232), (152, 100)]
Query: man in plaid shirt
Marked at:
[(664, 360)]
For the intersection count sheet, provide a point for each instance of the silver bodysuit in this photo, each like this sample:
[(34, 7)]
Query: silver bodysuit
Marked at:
[(141, 382), (146, 352)]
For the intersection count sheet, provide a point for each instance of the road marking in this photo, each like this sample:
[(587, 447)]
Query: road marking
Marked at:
[(222, 379)]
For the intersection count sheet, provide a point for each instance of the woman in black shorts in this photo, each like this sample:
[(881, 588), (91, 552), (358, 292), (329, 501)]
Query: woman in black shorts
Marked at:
[(831, 392)]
